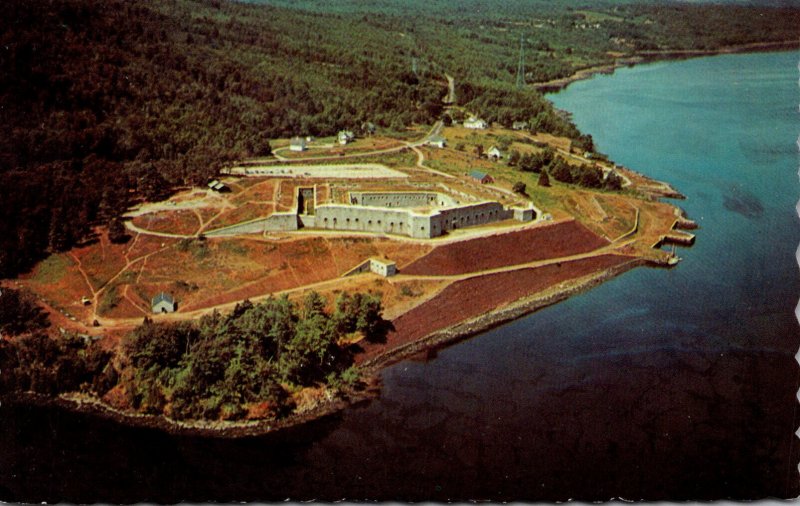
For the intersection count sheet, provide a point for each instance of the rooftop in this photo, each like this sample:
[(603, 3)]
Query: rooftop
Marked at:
[(163, 297)]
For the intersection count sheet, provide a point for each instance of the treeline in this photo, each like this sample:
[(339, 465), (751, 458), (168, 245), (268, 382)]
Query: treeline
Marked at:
[(31, 361), (703, 26), (247, 362), (479, 39), (549, 164), (505, 104), (103, 103), (107, 102), (584, 174), (244, 364)]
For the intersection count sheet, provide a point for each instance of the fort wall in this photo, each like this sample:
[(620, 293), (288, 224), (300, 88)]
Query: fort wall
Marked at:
[(372, 219), (408, 199), (407, 222), (274, 222)]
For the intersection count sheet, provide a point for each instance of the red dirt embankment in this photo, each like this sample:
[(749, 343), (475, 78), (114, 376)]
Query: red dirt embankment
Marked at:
[(529, 245), (476, 296)]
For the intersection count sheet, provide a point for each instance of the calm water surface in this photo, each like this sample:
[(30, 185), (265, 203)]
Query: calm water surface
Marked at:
[(660, 384)]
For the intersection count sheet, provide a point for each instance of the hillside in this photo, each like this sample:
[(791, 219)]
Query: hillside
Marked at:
[(105, 103)]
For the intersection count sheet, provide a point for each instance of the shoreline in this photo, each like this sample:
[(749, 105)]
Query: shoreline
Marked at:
[(370, 370), (650, 56)]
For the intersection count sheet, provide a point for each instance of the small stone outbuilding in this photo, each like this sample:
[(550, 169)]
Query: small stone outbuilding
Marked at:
[(163, 303)]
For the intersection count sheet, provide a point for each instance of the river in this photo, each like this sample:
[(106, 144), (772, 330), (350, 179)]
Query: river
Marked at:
[(660, 384)]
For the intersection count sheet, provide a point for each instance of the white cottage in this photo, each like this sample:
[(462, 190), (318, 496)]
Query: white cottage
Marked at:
[(494, 153), (437, 141), (297, 144), (163, 303), (475, 123), (345, 136)]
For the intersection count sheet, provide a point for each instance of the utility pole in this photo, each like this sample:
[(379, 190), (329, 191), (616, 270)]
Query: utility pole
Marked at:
[(521, 65)]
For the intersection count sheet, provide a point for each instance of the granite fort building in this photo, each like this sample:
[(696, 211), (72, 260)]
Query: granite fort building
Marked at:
[(417, 214)]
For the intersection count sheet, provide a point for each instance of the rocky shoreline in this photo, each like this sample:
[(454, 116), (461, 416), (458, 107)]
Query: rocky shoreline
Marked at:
[(370, 387), (659, 55), (371, 370)]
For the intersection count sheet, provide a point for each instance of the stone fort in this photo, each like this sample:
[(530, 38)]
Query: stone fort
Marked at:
[(417, 214), (421, 215)]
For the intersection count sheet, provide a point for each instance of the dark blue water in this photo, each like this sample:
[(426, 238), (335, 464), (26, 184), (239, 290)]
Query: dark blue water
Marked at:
[(661, 384)]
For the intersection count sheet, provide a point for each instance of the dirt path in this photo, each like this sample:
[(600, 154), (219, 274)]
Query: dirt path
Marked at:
[(421, 165), (100, 291), (121, 323), (130, 226), (133, 302), (83, 273), (450, 99), (435, 129)]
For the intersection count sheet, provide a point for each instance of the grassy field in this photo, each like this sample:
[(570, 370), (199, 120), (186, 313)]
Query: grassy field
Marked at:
[(206, 273)]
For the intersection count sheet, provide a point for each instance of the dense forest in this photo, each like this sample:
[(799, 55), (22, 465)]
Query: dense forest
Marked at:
[(243, 364), (107, 102)]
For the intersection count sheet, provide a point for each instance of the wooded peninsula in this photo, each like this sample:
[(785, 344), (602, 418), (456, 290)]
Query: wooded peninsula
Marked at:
[(148, 149)]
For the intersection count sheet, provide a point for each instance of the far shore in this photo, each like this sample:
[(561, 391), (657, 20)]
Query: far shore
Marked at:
[(370, 369), (649, 56)]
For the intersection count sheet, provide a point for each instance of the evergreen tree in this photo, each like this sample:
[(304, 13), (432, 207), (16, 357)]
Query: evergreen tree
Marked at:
[(544, 179)]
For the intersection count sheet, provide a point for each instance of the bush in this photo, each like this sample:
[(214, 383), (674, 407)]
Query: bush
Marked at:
[(49, 366), (116, 232), (213, 368), (544, 179), (19, 313)]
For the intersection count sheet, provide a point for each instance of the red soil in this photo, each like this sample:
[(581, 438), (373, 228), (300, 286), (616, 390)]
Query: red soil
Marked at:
[(285, 201), (174, 222), (245, 212), (206, 213), (146, 244), (475, 296), (529, 245), (262, 192), (125, 309)]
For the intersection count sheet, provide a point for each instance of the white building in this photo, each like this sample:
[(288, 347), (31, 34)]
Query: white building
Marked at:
[(475, 123), (378, 266), (217, 186), (163, 303), (383, 268), (297, 144), (494, 153), (345, 136), (437, 141)]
